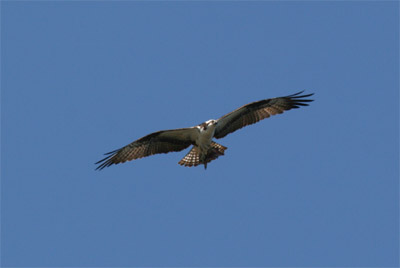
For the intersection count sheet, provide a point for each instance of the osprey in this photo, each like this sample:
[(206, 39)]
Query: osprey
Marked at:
[(204, 149)]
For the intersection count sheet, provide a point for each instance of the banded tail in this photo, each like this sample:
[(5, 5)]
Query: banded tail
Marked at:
[(193, 158)]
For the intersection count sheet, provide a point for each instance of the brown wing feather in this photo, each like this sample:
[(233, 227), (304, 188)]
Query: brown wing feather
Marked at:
[(253, 112), (155, 143)]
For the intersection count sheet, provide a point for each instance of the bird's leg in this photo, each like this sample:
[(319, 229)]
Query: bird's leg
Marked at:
[(203, 160)]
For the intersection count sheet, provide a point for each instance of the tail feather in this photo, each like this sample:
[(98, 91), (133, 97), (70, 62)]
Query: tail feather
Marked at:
[(214, 152), (193, 158)]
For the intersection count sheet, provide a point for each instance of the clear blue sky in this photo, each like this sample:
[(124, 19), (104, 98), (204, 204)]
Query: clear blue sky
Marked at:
[(317, 186)]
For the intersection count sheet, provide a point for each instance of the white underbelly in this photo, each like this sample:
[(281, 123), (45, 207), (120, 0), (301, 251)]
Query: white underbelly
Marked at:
[(204, 139)]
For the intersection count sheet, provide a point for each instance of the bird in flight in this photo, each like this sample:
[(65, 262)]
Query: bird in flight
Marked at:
[(204, 149)]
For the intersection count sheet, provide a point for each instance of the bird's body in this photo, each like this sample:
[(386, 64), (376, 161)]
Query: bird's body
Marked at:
[(204, 149), (206, 133)]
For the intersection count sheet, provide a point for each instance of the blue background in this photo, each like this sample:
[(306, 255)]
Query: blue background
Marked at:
[(317, 186)]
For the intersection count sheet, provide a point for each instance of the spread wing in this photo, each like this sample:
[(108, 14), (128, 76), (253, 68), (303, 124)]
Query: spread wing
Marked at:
[(155, 143), (253, 112)]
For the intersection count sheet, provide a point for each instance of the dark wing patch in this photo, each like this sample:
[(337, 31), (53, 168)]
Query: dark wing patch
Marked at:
[(156, 143), (253, 112)]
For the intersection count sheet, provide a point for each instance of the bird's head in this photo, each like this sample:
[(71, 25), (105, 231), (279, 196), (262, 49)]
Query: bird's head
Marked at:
[(211, 122), (208, 123)]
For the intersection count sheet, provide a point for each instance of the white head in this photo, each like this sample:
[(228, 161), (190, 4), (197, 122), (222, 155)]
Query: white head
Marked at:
[(208, 124), (211, 122)]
